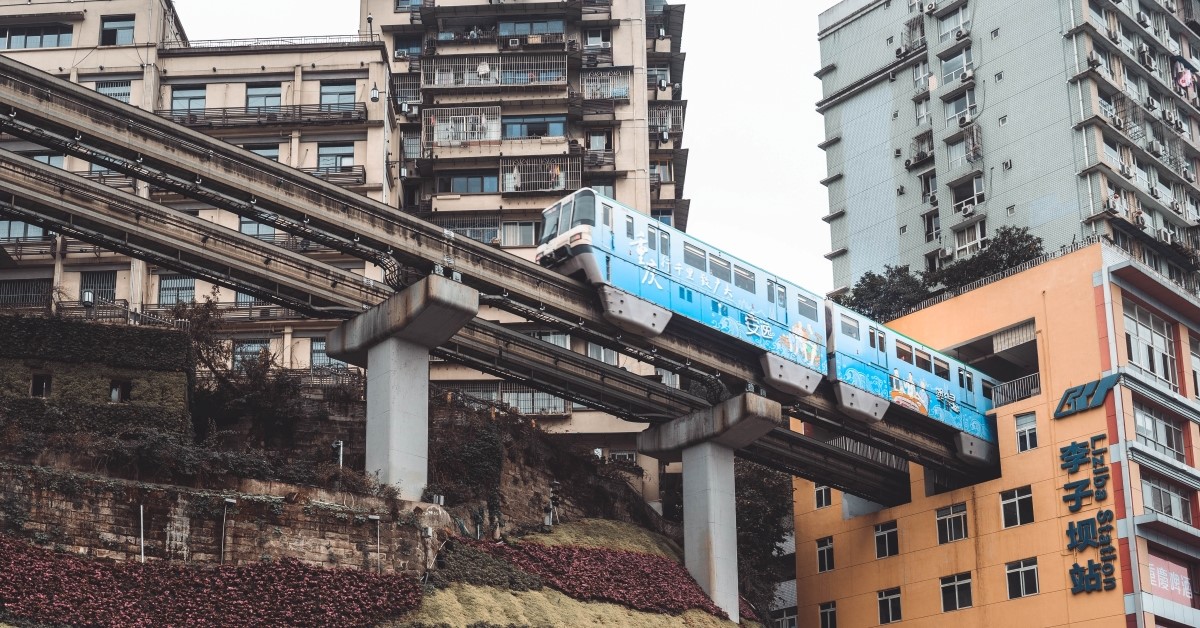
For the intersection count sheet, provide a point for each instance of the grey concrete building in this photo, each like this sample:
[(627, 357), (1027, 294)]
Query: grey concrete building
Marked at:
[(947, 120)]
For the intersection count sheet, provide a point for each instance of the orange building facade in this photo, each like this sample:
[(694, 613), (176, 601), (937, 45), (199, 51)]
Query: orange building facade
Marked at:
[(1092, 520)]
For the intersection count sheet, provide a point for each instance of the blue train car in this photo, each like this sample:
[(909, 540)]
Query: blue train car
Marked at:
[(873, 367), (647, 272)]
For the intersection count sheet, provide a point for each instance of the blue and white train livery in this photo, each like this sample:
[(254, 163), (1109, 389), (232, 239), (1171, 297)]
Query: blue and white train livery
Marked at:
[(646, 272)]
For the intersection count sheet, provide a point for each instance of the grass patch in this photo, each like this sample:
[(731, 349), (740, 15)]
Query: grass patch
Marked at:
[(605, 534), (461, 605)]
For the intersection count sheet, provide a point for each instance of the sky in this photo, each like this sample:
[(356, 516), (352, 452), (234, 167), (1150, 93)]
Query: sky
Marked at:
[(752, 128)]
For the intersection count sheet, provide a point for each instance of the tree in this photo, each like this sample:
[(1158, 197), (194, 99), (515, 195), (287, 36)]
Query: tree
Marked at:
[(764, 517), (1008, 247), (887, 296)]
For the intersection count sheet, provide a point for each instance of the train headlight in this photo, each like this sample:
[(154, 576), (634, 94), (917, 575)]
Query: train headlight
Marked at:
[(577, 237)]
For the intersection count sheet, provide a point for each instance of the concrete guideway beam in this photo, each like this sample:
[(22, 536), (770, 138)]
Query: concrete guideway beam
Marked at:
[(392, 340), (708, 439)]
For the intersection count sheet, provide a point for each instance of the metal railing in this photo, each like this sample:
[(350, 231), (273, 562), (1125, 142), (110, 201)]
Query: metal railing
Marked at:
[(219, 117), (665, 116), (539, 174), (340, 175), (494, 71), (1017, 389), (599, 159), (38, 245), (597, 6), (552, 41), (605, 84), (258, 42), (107, 177), (457, 126)]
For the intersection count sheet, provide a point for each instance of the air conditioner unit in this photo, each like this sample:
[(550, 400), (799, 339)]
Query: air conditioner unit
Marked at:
[(403, 172), (401, 54), (1177, 207), (1143, 19), (1168, 117), (1151, 103), (662, 32), (1093, 60), (964, 120), (1156, 148), (930, 8), (413, 111), (891, 77), (1144, 49), (1151, 63), (968, 209), (662, 84), (1110, 204), (1180, 125), (665, 136), (968, 76), (1188, 176), (1163, 234), (933, 200), (1154, 193), (1126, 171), (606, 44), (1169, 5), (962, 33), (948, 252), (1118, 122), (900, 52), (514, 42), (1114, 35)]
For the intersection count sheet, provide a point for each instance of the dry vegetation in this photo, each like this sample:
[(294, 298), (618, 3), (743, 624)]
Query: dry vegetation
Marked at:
[(606, 534)]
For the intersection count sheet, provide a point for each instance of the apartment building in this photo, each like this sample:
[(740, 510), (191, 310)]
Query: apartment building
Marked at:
[(472, 114), (1092, 521), (947, 120)]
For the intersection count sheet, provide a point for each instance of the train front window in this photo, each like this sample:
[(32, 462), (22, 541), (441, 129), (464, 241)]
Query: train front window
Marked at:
[(564, 219), (549, 224), (585, 209)]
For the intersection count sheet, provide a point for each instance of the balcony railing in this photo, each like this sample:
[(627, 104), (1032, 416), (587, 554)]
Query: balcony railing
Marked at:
[(1017, 389), (597, 6), (545, 41), (232, 311), (260, 42), (599, 159), (20, 246), (605, 85), (110, 178), (456, 72), (539, 174), (666, 116), (340, 175), (294, 243), (220, 117), (460, 126)]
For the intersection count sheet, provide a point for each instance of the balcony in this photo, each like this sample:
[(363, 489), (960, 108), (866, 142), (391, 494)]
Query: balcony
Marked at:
[(340, 175), (596, 6), (539, 175), (460, 127), (232, 311), (488, 72), (605, 85), (540, 41), (1017, 389), (281, 115), (599, 160), (666, 117), (597, 55), (473, 37), (110, 178), (18, 247), (207, 46)]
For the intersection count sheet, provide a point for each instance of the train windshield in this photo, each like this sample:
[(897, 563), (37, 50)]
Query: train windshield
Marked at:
[(549, 224), (585, 209), (564, 219)]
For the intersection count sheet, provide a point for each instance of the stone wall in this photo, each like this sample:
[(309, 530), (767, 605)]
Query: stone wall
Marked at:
[(99, 517)]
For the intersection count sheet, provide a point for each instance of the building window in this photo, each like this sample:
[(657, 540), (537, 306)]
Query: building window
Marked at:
[(44, 36), (889, 605), (600, 140), (187, 98), (824, 554), (50, 159), (952, 523), (961, 106), (269, 151), (956, 592), (521, 127), (120, 391), (922, 109), (407, 45), (174, 289), (887, 540), (101, 283), (255, 229), (785, 618), (115, 89), (1167, 498), (1150, 344), (335, 156), (1193, 344), (40, 386), (598, 37), (665, 216), (823, 495), (933, 226), (1022, 578), (828, 614), (968, 241), (1026, 431), (116, 30), (660, 171), (928, 185), (246, 352), (656, 72), (12, 230), (468, 183), (1017, 506), (1163, 433), (336, 95), (245, 301), (536, 27), (954, 67), (25, 291), (519, 232), (952, 23), (264, 95), (602, 353), (604, 189)]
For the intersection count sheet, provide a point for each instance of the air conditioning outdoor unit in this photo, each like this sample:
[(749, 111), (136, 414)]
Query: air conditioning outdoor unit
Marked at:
[(1169, 5), (403, 172), (1188, 176), (1143, 18), (961, 33), (1118, 122), (1164, 235), (662, 84), (1168, 117), (1180, 125), (900, 52), (1110, 204), (1114, 35), (930, 8), (1154, 193), (933, 200), (401, 54), (1177, 207), (1151, 103), (665, 136), (968, 76), (606, 44), (514, 42), (1144, 49), (1093, 60), (964, 120), (1126, 171), (968, 209), (948, 252), (1156, 148)]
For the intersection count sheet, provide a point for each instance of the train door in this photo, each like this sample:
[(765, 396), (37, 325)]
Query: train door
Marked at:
[(656, 266), (966, 387), (777, 302), (877, 352)]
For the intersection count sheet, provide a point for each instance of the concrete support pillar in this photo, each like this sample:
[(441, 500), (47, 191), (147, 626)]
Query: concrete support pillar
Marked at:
[(392, 341), (710, 523), (708, 439)]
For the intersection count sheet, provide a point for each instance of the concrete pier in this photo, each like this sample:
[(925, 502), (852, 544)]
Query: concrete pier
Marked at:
[(706, 441), (392, 341)]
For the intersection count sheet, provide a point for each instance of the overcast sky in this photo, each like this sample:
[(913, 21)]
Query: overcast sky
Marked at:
[(754, 165)]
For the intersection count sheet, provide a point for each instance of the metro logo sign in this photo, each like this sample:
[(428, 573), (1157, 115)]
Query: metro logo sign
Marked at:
[(1085, 397)]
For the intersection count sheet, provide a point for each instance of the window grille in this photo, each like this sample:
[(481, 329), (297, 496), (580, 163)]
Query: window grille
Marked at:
[(525, 399), (482, 227), (539, 174), (174, 289), (605, 85), (102, 284), (666, 116), (406, 88), (115, 89), (25, 291), (412, 147), (494, 70), (460, 125), (246, 351)]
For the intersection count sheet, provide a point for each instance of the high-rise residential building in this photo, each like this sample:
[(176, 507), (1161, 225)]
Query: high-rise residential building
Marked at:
[(1093, 518), (472, 114), (947, 120)]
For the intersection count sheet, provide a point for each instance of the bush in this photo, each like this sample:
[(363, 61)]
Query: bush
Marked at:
[(470, 565)]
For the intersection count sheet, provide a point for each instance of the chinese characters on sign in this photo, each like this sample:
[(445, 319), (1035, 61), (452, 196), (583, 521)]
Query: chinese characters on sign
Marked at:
[(1170, 579), (1093, 532)]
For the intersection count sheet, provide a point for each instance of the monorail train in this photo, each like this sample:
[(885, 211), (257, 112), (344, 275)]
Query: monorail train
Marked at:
[(646, 272)]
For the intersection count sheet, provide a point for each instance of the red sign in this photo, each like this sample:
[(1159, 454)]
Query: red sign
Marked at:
[(1171, 579)]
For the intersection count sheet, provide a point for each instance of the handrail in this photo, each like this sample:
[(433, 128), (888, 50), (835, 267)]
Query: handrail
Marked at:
[(247, 42), (333, 113), (1017, 389)]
